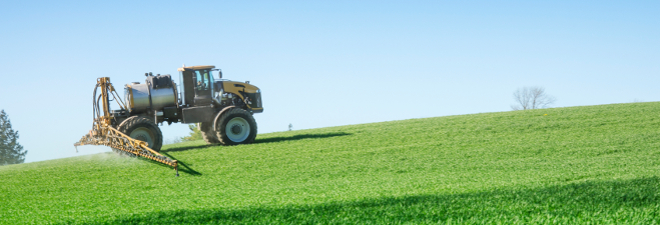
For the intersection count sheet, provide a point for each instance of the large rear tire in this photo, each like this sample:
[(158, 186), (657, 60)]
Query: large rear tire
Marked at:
[(235, 126), (209, 135), (143, 129)]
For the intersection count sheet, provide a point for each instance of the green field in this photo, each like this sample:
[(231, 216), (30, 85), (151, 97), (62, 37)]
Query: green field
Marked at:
[(592, 164)]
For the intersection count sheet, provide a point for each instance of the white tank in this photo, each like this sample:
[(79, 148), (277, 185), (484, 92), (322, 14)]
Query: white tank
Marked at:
[(137, 95)]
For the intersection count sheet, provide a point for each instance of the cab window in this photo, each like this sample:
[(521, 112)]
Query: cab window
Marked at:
[(203, 80)]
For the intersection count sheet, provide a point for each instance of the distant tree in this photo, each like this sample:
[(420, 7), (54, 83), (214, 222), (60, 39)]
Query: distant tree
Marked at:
[(195, 133), (531, 98), (10, 151)]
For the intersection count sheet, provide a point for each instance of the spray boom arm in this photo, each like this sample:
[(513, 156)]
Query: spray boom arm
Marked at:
[(103, 133)]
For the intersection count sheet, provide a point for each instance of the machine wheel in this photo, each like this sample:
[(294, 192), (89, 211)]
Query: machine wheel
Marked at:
[(209, 135), (235, 126), (143, 129)]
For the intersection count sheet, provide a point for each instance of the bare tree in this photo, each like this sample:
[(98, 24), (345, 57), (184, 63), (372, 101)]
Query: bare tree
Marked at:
[(531, 98)]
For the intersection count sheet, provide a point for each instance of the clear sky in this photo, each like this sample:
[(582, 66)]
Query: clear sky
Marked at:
[(323, 64)]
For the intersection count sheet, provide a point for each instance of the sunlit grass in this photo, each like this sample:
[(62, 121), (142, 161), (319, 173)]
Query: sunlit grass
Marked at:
[(596, 164)]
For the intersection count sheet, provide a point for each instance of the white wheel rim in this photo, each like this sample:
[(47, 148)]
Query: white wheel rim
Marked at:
[(237, 129), (142, 134)]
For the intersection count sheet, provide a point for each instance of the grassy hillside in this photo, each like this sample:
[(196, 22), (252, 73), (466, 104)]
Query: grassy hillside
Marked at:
[(596, 164)]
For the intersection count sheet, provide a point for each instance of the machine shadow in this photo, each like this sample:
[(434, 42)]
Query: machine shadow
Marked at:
[(265, 140), (300, 137), (182, 166), (593, 202), (179, 149)]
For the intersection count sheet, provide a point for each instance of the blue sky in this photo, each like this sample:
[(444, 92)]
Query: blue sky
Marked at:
[(323, 64)]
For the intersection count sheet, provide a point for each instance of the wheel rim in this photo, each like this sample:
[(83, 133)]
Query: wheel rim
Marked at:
[(143, 134), (237, 129)]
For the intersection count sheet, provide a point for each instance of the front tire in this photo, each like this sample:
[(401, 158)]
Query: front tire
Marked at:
[(235, 126), (143, 129)]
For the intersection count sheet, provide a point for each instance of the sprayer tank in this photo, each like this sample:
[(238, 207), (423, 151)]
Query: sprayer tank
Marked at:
[(158, 92)]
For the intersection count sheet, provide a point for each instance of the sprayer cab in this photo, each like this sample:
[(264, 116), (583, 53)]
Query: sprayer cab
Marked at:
[(198, 85), (200, 88)]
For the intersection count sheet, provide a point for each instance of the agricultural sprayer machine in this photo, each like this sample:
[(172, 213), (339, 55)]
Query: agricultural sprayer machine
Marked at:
[(222, 108)]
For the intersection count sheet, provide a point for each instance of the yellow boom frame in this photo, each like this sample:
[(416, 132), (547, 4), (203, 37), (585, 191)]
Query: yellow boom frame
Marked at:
[(103, 133)]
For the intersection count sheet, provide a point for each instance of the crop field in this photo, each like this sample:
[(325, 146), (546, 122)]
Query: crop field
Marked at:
[(591, 164)]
